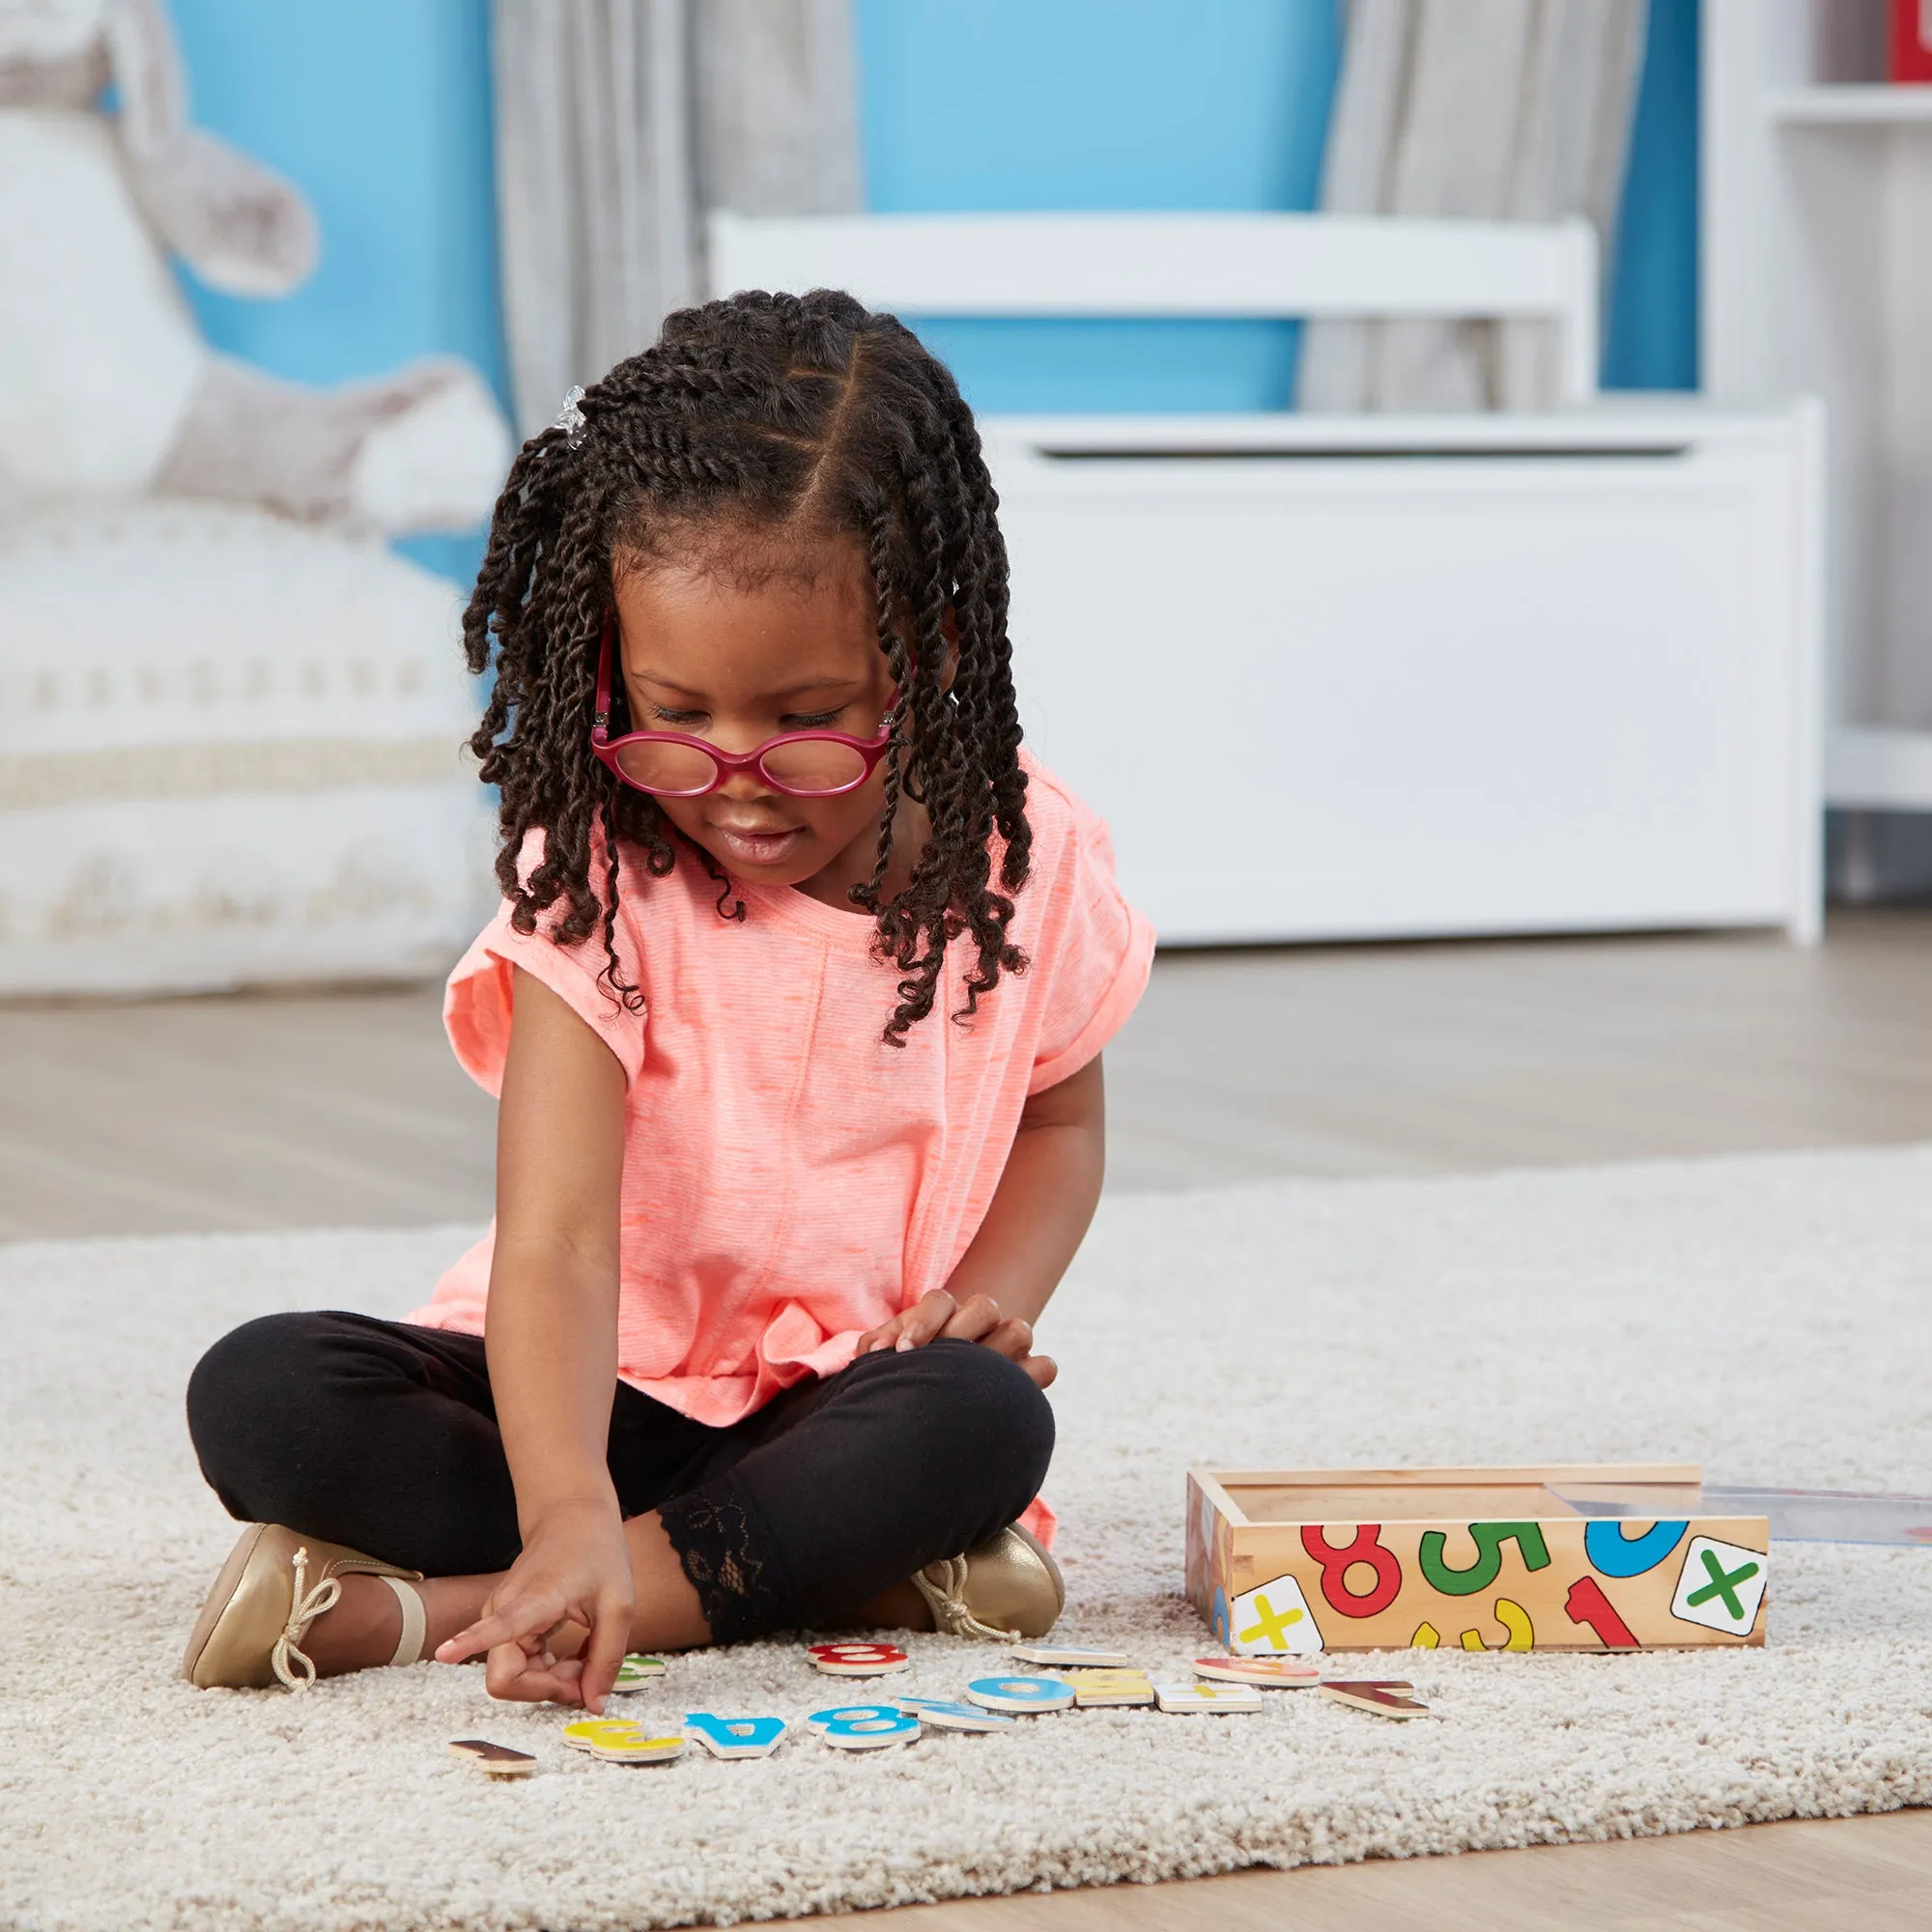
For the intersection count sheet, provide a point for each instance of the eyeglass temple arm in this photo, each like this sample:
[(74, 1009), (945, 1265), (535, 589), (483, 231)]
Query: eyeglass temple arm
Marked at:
[(600, 721)]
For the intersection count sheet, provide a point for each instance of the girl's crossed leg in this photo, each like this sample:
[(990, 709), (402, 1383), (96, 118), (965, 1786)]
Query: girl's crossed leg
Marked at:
[(811, 1513)]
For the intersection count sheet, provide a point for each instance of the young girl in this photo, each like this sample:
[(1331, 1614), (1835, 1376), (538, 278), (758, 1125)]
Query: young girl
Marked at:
[(794, 1008)]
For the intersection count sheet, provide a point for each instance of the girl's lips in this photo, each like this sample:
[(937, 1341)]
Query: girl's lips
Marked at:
[(757, 848)]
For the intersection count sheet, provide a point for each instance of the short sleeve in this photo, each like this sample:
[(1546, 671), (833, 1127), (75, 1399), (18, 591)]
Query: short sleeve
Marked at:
[(478, 1002), (1094, 954)]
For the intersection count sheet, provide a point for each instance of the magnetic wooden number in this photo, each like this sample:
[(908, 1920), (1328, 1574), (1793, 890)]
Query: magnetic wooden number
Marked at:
[(636, 1672), (1488, 1539), (735, 1737), (1110, 1686), (1063, 1657), (948, 1715), (499, 1760), (1382, 1697), (1586, 1603), (1216, 1698), (1281, 1671), (858, 1660), (818, 1719), (1019, 1694), (1616, 1554), (1336, 1564), (587, 1733), (860, 1726), (618, 1741)]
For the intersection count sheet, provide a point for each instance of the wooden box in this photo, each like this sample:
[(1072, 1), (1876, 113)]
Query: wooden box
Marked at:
[(1575, 1557)]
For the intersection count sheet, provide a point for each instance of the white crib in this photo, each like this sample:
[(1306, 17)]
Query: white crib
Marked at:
[(1357, 677)]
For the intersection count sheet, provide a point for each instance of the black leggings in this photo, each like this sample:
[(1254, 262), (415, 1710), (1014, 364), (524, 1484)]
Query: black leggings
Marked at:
[(384, 1436)]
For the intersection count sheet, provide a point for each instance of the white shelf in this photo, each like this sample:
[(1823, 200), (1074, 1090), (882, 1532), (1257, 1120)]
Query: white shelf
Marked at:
[(1882, 770), (1845, 106)]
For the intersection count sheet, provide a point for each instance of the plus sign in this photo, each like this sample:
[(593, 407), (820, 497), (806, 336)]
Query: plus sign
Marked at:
[(1723, 1584), (1271, 1629)]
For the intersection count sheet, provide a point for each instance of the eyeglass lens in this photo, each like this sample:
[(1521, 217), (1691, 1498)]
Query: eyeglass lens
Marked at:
[(812, 765)]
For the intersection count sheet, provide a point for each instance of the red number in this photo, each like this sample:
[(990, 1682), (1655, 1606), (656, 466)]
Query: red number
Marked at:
[(1586, 1603), (855, 1653), (1336, 1564)]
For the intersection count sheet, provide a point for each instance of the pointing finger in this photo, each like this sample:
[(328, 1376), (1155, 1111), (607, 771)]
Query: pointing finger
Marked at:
[(525, 1617)]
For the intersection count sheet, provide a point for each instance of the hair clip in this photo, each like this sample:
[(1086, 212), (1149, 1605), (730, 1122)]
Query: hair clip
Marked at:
[(570, 418)]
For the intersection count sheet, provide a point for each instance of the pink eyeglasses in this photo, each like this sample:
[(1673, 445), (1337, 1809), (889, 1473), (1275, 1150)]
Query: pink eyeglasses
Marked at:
[(669, 764)]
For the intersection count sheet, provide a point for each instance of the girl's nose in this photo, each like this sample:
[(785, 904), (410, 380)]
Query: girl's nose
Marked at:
[(745, 785)]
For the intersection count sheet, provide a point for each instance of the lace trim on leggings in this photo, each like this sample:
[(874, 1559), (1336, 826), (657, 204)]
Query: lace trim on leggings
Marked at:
[(717, 1541)]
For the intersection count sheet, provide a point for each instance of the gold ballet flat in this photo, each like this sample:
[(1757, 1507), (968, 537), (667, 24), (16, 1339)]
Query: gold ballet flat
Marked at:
[(272, 1588), (1008, 1587)]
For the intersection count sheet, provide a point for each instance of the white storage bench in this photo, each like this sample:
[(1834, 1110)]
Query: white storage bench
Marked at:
[(1361, 677)]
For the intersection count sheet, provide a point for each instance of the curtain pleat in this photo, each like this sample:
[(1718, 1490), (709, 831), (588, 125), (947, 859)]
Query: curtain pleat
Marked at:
[(1479, 110), (619, 123)]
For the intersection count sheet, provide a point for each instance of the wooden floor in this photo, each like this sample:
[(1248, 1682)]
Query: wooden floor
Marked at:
[(1872, 1874), (345, 1108)]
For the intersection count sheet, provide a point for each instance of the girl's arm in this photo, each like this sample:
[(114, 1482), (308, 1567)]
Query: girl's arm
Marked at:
[(1035, 1223), (550, 1335)]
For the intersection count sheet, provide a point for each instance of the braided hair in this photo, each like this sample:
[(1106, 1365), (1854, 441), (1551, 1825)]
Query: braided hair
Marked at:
[(773, 415)]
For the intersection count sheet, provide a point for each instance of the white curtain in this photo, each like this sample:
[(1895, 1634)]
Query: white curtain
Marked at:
[(1490, 109), (619, 123)]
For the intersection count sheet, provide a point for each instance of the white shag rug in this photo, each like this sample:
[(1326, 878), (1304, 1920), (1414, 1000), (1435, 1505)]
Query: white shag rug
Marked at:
[(1770, 1316)]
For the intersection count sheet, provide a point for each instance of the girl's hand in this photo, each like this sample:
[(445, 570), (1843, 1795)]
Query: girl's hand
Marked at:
[(575, 1569), (978, 1319)]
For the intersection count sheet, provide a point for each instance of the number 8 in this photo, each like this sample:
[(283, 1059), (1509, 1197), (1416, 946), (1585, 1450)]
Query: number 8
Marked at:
[(1336, 1564), (861, 1726)]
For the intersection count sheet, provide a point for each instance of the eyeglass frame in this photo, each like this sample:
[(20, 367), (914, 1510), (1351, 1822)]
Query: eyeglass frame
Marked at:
[(605, 749)]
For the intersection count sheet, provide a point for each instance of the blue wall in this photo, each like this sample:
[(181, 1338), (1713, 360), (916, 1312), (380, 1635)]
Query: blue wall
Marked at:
[(380, 110), (1650, 339), (1096, 104), (1200, 104)]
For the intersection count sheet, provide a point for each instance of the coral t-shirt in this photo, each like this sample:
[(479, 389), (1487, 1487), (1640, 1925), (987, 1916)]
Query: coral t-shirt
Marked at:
[(790, 1180)]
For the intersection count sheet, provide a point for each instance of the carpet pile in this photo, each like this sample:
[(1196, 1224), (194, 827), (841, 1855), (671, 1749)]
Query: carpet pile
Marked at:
[(1769, 1317)]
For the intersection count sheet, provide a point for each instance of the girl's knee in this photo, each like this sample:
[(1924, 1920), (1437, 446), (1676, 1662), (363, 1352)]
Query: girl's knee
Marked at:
[(994, 1416), (231, 1377), (245, 1403)]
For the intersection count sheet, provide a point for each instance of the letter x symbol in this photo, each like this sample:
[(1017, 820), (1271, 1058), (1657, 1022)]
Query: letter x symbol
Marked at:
[(1723, 1584), (1271, 1629)]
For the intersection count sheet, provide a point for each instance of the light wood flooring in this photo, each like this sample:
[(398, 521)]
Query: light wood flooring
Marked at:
[(345, 1108)]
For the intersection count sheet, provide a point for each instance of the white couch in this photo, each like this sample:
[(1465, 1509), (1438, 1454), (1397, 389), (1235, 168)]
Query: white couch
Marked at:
[(228, 754)]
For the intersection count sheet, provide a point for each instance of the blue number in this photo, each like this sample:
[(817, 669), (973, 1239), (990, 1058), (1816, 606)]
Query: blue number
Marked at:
[(1041, 1693), (872, 1720), (735, 1733), (1616, 1554), (938, 1708)]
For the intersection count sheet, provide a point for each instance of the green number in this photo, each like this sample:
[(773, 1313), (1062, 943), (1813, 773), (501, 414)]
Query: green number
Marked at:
[(1490, 1538)]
